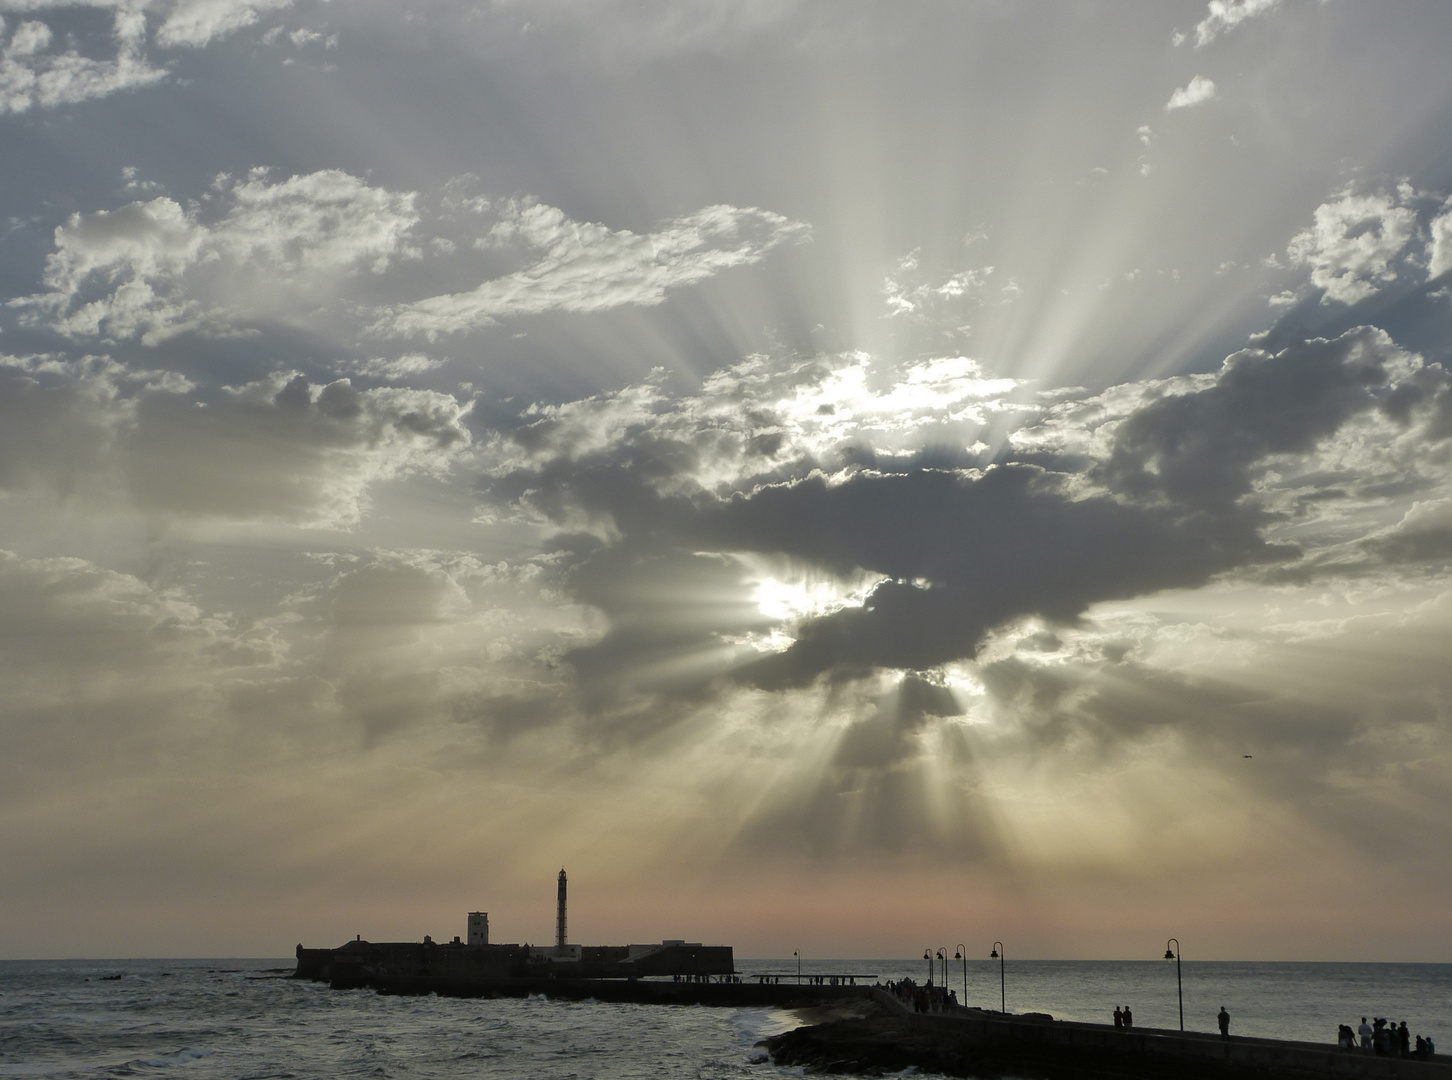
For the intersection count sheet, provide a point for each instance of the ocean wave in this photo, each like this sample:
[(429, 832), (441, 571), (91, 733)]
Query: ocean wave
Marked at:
[(177, 1057)]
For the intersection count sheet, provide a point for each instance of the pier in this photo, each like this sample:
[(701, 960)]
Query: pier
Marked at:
[(979, 1043)]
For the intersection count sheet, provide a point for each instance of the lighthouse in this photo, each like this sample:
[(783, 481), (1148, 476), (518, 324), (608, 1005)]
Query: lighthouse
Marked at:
[(560, 934)]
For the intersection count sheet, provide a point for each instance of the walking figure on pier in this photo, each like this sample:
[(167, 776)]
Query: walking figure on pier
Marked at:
[(1223, 1019)]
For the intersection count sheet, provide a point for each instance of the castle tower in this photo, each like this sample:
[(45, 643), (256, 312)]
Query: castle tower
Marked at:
[(560, 917), (478, 928)]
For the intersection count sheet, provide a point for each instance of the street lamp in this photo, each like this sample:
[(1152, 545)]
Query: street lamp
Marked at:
[(943, 956), (928, 956), (1174, 954), (997, 954), (798, 954), (962, 954)]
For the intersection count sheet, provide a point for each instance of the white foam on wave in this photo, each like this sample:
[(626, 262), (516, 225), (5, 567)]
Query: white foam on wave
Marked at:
[(753, 1025)]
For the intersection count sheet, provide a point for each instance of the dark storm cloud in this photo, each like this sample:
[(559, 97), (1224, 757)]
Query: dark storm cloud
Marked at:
[(968, 553), (1198, 450), (1168, 500)]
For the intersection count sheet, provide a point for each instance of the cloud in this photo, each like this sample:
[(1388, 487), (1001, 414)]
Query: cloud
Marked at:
[(1144, 488), (1199, 449), (1199, 89), (1440, 255), (193, 23), (255, 251), (33, 75), (182, 23), (755, 422), (1424, 534), (1355, 242), (1226, 15), (53, 435), (280, 450), (964, 553), (284, 450), (152, 270), (59, 419), (906, 294), (398, 367), (66, 611), (587, 267)]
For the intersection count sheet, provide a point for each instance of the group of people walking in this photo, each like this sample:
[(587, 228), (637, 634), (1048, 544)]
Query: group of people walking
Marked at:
[(1384, 1037), (923, 999), (1381, 1036), (1124, 1018)]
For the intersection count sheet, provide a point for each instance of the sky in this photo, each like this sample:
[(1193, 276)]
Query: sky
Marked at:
[(834, 475)]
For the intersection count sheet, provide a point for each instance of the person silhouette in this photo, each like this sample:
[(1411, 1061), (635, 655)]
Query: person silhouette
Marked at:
[(1118, 1017), (1223, 1019), (1128, 1017)]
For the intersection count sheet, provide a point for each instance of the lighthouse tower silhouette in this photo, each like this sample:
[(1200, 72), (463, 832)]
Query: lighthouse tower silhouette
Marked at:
[(560, 917)]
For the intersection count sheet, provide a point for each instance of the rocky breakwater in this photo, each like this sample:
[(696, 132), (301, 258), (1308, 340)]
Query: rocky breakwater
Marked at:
[(869, 1040)]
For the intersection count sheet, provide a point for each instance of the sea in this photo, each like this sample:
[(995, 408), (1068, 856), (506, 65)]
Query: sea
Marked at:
[(243, 1019)]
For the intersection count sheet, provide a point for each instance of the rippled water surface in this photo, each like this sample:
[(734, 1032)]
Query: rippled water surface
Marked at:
[(238, 1020)]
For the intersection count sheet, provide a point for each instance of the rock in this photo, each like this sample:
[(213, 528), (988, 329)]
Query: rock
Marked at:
[(876, 1045)]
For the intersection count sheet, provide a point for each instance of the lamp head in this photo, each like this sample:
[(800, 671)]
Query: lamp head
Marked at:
[(957, 956), (927, 954), (993, 955), (1169, 954)]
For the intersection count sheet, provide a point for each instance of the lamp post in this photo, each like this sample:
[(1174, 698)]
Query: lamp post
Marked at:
[(928, 956), (997, 954), (943, 956), (798, 954), (962, 954), (1174, 954)]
